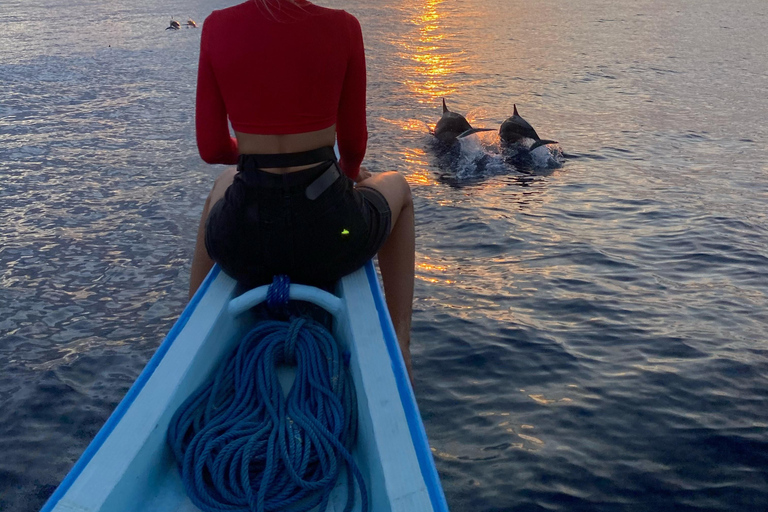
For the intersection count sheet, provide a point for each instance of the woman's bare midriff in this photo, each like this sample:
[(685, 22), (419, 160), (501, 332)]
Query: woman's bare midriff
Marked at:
[(251, 143)]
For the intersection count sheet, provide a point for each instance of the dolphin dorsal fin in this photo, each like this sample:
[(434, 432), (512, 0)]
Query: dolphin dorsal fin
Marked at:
[(445, 109), (515, 112)]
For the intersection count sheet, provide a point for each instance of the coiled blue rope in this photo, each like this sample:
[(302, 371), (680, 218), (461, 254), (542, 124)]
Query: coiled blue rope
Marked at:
[(241, 445)]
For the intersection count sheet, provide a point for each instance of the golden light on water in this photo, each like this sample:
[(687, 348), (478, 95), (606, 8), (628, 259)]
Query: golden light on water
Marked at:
[(408, 125), (416, 156), (421, 177), (428, 266), (433, 272), (432, 60), (418, 161)]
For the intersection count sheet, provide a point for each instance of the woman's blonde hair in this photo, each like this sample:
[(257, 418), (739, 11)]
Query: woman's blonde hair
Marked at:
[(273, 7)]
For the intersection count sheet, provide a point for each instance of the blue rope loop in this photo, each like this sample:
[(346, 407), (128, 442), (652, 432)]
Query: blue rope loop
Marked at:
[(242, 445), (278, 295)]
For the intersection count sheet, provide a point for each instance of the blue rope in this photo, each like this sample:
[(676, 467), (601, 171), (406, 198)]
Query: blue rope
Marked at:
[(278, 295), (241, 445)]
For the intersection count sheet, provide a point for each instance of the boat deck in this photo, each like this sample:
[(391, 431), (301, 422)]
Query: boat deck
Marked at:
[(129, 467)]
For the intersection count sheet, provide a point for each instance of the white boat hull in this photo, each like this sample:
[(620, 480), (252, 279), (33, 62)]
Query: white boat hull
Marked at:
[(129, 467)]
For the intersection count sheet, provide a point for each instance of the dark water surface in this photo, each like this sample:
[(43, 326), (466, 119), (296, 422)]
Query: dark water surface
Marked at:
[(588, 336)]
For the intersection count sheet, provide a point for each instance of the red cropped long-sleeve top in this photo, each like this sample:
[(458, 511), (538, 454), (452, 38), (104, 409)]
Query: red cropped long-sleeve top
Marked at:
[(297, 69)]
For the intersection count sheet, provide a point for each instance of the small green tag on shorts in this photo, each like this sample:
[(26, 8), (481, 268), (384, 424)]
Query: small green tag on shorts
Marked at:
[(344, 232)]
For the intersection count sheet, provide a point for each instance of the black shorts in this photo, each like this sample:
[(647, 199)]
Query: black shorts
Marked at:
[(269, 224)]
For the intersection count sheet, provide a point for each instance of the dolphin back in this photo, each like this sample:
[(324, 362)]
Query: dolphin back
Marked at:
[(516, 128), (453, 125)]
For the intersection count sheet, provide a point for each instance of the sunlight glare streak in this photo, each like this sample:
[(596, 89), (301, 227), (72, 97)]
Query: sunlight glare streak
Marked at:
[(430, 65)]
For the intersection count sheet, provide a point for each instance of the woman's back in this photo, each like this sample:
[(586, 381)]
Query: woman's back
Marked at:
[(286, 79), (294, 69)]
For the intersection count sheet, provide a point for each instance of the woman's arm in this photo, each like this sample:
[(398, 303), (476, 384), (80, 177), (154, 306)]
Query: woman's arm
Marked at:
[(215, 144), (351, 128)]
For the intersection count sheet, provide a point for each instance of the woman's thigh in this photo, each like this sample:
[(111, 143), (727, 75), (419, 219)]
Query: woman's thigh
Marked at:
[(393, 186), (220, 187)]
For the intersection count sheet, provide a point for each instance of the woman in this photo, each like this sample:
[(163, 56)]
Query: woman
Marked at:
[(290, 77)]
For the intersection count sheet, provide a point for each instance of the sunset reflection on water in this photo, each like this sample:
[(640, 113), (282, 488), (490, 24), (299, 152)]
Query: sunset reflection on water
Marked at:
[(438, 55), (430, 60)]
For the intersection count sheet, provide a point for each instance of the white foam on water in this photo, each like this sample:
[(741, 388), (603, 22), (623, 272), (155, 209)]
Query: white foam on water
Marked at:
[(477, 160)]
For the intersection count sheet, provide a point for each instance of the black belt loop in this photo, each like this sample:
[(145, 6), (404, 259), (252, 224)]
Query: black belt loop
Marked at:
[(322, 182)]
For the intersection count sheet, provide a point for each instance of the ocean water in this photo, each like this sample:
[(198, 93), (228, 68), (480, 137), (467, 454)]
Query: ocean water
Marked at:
[(590, 327)]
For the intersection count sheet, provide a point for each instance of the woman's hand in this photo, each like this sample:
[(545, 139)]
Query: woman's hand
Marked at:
[(363, 175)]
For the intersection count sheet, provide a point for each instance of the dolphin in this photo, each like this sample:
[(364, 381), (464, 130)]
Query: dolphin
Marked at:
[(191, 23), (454, 126), (175, 25), (516, 128)]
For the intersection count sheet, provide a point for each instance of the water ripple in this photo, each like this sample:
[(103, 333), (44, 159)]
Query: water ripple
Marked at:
[(589, 329)]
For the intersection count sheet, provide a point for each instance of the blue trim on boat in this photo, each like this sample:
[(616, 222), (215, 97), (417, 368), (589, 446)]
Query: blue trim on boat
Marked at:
[(131, 395), (415, 425)]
